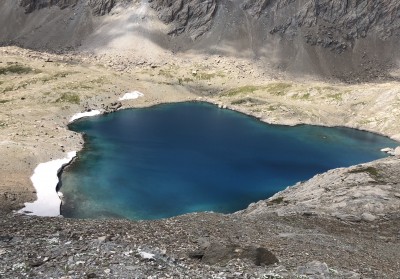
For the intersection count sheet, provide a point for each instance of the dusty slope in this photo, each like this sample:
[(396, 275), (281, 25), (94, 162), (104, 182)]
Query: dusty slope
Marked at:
[(350, 40)]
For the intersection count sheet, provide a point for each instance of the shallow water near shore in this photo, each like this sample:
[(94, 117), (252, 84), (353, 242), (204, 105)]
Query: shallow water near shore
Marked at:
[(172, 159)]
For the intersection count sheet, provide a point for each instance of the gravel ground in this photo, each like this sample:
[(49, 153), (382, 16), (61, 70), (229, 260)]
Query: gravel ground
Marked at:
[(198, 246)]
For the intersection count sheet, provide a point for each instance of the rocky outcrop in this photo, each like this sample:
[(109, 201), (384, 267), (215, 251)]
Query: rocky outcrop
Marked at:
[(331, 24), (99, 7), (32, 5), (191, 16), (361, 193)]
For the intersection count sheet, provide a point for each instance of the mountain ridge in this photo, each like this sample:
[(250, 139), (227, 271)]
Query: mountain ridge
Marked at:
[(345, 39)]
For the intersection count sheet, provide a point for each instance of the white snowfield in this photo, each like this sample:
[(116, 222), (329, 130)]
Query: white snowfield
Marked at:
[(131, 96), (45, 180), (84, 114)]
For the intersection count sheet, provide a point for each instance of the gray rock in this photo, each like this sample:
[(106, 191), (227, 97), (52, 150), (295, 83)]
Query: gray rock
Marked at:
[(193, 17), (314, 269), (31, 5), (368, 217), (347, 217), (218, 253), (397, 151), (99, 7), (318, 270)]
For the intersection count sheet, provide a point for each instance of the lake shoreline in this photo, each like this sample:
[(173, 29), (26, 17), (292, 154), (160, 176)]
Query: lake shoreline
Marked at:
[(91, 113), (298, 227)]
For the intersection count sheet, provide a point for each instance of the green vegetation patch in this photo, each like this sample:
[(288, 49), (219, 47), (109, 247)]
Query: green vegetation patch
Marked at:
[(304, 96), (373, 172), (279, 200), (55, 76), (4, 101), (15, 69), (69, 97), (279, 88), (248, 100), (243, 90), (166, 73), (337, 96), (184, 80), (8, 89), (207, 76)]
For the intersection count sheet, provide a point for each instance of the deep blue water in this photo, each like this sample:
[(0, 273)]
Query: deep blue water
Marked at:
[(177, 158)]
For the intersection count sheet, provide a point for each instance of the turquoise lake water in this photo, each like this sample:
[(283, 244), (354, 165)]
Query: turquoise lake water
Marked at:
[(172, 159)]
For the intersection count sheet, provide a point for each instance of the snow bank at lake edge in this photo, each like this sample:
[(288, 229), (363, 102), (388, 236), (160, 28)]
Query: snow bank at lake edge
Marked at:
[(84, 114), (45, 180)]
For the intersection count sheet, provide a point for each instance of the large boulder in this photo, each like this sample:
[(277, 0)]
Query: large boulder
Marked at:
[(219, 253), (397, 151)]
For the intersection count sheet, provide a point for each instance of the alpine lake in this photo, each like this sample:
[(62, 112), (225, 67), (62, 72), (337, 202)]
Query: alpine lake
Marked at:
[(172, 159)]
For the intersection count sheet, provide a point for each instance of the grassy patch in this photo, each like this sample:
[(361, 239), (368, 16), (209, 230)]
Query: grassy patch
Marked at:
[(15, 69), (8, 89), (239, 101), (337, 96), (166, 73), (207, 76), (243, 90), (4, 101), (184, 80), (69, 97), (279, 88), (248, 100), (55, 76), (279, 200), (305, 96), (373, 172)]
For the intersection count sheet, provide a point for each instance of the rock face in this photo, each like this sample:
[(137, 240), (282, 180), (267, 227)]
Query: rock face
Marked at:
[(336, 25), (191, 16), (32, 5), (99, 7)]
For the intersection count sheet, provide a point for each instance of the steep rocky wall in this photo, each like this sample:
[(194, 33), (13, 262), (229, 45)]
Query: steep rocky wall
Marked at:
[(330, 24), (44, 24), (191, 16), (99, 7)]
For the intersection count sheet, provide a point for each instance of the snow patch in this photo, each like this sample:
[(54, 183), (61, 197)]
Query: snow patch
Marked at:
[(131, 96), (84, 114), (45, 180), (146, 255), (388, 150)]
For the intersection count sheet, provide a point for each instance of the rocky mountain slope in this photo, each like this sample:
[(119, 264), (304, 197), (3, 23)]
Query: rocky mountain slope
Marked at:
[(348, 39)]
